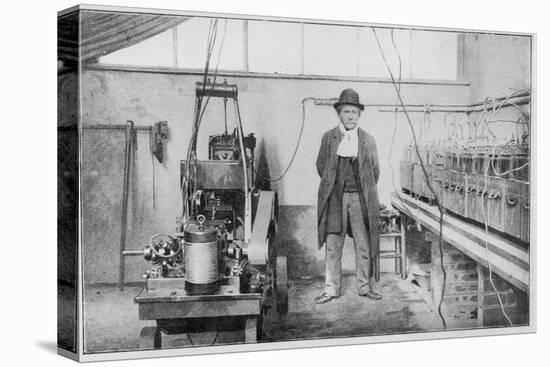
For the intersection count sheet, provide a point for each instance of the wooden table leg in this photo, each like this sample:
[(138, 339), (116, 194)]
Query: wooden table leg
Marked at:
[(403, 248), (251, 330), (149, 338), (397, 262)]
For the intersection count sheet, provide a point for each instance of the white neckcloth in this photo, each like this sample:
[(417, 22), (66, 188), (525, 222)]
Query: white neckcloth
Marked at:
[(350, 142)]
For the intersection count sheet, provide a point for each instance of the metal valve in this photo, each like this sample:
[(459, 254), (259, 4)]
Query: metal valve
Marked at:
[(511, 200), (494, 195), (201, 219)]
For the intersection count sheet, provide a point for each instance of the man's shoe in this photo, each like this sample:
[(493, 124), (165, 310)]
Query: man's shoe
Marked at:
[(324, 298), (372, 295)]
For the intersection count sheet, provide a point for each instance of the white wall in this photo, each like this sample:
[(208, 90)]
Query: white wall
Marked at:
[(271, 108)]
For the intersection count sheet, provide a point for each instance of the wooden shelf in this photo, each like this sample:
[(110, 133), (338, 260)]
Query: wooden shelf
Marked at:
[(508, 259)]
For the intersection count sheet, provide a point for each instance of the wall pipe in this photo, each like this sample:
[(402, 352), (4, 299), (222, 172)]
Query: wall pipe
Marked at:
[(463, 109), (102, 127), (132, 253), (519, 99), (129, 132), (114, 127)]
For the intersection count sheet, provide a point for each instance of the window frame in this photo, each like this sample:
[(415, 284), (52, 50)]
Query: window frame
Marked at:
[(245, 72)]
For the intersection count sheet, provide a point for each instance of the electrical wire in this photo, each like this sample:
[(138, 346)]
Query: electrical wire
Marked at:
[(509, 171), (200, 109), (488, 120), (486, 179), (244, 157), (197, 124), (515, 92), (268, 179), (426, 176), (395, 125), (520, 121), (491, 164), (186, 182), (215, 71), (485, 220)]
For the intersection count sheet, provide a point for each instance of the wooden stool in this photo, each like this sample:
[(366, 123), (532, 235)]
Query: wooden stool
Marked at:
[(392, 225)]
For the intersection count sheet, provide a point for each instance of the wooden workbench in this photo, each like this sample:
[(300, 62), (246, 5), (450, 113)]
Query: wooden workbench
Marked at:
[(510, 260), (166, 301)]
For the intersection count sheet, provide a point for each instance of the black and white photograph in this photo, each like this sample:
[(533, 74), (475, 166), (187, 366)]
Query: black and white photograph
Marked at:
[(232, 182), (228, 180)]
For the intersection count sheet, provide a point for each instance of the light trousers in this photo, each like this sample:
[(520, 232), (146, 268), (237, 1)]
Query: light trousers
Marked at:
[(352, 215)]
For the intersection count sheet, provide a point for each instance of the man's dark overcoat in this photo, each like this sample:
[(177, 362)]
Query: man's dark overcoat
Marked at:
[(367, 169)]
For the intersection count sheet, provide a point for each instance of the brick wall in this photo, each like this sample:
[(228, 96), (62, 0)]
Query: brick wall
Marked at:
[(514, 301), (460, 302), (469, 298)]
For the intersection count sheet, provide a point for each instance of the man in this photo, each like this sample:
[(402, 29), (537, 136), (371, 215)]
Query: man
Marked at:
[(348, 199)]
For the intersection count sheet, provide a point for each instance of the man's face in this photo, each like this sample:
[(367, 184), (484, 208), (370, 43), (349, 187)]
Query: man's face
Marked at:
[(349, 115)]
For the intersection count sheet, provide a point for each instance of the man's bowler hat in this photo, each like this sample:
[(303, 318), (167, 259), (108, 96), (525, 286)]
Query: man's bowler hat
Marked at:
[(350, 97)]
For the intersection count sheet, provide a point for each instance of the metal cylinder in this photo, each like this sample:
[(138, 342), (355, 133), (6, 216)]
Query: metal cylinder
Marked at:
[(521, 167), (467, 162), (449, 160), (223, 90), (201, 260)]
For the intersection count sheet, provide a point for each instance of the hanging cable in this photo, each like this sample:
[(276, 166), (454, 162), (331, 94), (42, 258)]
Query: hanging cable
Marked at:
[(509, 171), (495, 110), (186, 181), (244, 158), (199, 111), (395, 125), (486, 179), (426, 176), (514, 93), (486, 239), (215, 73), (269, 179), (492, 162)]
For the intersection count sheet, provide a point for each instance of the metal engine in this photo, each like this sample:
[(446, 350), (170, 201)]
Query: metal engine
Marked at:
[(221, 261)]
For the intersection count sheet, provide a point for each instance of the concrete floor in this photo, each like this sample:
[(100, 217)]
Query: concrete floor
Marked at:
[(112, 324), (401, 310)]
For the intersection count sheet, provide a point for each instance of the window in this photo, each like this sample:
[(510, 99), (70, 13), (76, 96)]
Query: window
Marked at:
[(192, 42), (330, 50), (275, 47), (295, 49), (434, 55), (371, 63)]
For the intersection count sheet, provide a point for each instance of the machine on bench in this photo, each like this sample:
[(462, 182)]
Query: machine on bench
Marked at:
[(220, 267)]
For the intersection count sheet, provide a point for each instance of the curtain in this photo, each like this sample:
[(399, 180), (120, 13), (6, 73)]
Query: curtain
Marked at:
[(102, 33)]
